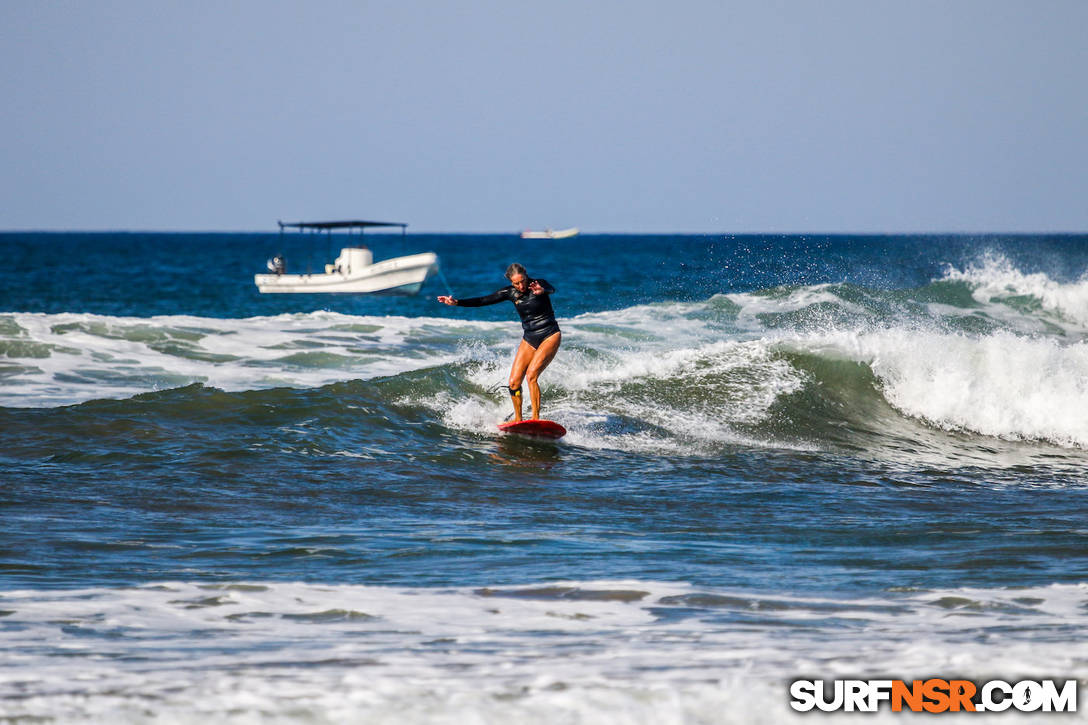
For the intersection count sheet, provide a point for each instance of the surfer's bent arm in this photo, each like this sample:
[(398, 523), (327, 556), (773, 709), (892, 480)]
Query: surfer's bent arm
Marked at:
[(494, 298), (545, 287)]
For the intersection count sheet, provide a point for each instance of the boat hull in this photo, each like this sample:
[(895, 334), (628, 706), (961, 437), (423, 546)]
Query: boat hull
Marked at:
[(550, 234), (400, 275)]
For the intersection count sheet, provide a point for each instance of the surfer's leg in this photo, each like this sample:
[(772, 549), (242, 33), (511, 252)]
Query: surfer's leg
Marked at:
[(522, 359), (541, 357)]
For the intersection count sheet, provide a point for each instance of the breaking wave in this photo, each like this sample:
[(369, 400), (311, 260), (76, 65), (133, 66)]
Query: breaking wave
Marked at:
[(985, 352)]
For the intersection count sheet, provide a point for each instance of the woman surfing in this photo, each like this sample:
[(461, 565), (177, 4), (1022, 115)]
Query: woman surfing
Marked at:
[(541, 337)]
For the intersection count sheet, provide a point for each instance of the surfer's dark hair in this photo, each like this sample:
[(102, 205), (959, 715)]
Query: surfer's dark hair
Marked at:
[(515, 268)]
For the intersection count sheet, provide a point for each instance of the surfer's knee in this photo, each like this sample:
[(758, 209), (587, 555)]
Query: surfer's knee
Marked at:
[(514, 392)]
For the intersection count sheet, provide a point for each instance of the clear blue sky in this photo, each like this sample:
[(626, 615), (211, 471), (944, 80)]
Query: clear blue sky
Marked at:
[(809, 115)]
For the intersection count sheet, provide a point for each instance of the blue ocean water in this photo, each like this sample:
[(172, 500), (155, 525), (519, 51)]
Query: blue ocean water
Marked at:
[(787, 456)]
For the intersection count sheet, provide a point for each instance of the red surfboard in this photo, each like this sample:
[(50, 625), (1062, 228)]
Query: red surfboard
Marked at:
[(536, 428)]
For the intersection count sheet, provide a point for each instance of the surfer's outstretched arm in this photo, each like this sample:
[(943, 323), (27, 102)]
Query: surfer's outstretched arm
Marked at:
[(494, 298)]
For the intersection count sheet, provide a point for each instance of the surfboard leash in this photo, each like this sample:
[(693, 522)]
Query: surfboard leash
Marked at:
[(444, 282), (499, 389)]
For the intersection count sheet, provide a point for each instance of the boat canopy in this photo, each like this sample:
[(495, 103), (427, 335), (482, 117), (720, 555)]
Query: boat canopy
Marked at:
[(329, 226)]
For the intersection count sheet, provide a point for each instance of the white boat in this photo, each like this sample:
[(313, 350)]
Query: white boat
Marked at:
[(550, 233), (354, 271)]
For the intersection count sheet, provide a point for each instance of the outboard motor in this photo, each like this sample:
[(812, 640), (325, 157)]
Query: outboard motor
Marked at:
[(277, 264)]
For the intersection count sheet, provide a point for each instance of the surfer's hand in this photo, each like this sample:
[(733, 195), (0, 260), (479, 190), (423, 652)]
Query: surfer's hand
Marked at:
[(535, 287), (447, 300)]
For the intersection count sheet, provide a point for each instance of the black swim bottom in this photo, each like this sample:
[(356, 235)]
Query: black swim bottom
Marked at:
[(535, 338)]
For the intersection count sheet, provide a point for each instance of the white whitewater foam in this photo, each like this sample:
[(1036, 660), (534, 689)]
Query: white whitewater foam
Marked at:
[(93, 356), (994, 279), (719, 385), (754, 305), (577, 652), (1001, 385)]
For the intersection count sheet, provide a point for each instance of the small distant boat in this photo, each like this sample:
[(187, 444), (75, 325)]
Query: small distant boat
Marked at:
[(354, 271), (550, 233)]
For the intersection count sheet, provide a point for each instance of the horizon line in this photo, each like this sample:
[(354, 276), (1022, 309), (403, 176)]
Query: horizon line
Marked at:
[(719, 232)]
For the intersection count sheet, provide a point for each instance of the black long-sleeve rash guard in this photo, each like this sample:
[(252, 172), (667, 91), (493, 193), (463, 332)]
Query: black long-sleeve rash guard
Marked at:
[(535, 310)]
